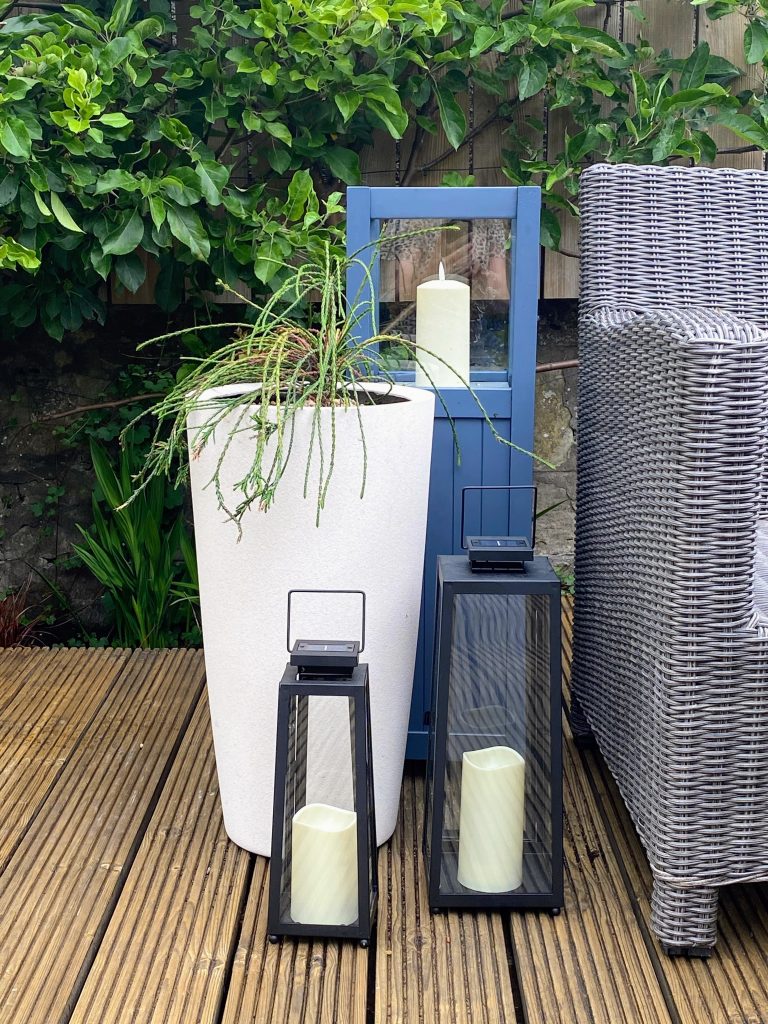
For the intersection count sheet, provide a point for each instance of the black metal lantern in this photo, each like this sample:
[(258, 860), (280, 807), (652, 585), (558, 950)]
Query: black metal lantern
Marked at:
[(323, 879), (493, 834)]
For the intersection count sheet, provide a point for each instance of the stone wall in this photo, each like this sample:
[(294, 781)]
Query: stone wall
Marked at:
[(555, 431), (40, 377)]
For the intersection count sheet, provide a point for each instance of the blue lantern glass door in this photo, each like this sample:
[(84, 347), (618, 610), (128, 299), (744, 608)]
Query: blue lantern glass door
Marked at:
[(487, 240)]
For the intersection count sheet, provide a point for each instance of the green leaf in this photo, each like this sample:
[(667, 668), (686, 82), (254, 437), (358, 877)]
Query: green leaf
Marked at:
[(131, 271), (111, 181), (704, 96), (452, 116), (279, 131), (157, 211), (550, 229), (484, 38), (755, 42), (344, 164), (299, 191), (532, 77), (188, 228), (120, 16), (62, 215), (695, 68), (252, 122), (395, 124), (212, 177), (592, 39), (15, 138), (669, 138), (9, 187), (115, 120), (41, 205), (347, 102), (279, 159), (125, 236), (745, 128)]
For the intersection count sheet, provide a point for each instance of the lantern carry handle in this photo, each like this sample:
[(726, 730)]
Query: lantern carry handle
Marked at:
[(480, 487), (360, 592)]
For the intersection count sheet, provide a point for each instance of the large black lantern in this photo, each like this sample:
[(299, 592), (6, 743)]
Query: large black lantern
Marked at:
[(323, 871), (493, 835)]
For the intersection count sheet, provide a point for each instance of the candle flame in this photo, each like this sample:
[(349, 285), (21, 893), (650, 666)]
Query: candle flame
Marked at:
[(441, 272)]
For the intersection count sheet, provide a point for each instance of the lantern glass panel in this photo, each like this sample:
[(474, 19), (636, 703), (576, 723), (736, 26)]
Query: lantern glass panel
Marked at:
[(476, 252), (497, 807), (319, 862)]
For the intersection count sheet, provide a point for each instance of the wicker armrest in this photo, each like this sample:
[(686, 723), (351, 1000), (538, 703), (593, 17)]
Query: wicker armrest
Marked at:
[(674, 421)]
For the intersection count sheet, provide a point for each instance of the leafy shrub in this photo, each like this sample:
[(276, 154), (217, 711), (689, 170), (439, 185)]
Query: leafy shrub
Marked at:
[(142, 556), (222, 155)]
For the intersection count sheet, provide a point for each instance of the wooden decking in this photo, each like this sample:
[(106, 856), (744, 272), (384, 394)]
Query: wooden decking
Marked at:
[(122, 900)]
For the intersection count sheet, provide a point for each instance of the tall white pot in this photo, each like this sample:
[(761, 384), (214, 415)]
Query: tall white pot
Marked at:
[(374, 544)]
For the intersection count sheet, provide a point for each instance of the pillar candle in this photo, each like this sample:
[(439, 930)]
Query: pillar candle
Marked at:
[(492, 819), (324, 865), (442, 327)]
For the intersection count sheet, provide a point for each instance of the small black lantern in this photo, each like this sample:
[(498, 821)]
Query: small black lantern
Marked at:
[(494, 834), (323, 880)]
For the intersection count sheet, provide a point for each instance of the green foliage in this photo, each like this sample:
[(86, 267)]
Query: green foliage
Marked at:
[(302, 352), (224, 155), (142, 555)]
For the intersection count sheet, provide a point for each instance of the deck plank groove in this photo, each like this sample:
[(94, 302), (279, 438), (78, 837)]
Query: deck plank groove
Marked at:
[(123, 901), (422, 972), (164, 955), (40, 726), (597, 939), (59, 887)]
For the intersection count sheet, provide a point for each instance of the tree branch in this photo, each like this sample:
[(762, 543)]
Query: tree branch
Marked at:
[(80, 409)]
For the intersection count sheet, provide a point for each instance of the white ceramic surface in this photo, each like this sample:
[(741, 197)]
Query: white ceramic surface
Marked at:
[(374, 544)]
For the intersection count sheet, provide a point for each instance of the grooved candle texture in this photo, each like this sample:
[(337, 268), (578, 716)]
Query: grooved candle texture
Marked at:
[(491, 820), (442, 327), (324, 866)]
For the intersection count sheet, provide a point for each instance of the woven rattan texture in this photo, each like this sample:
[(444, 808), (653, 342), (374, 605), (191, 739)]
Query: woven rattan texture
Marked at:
[(675, 237), (673, 429)]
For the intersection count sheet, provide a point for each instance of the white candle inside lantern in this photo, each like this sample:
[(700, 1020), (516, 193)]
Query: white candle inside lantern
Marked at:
[(324, 865), (442, 327), (492, 820)]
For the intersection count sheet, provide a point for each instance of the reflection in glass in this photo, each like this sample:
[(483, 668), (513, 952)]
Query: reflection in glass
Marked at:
[(475, 252), (497, 829)]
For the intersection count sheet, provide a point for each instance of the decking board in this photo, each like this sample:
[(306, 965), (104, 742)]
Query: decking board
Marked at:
[(591, 964), (48, 701), (312, 982), (165, 953), (58, 890), (448, 968), (123, 902)]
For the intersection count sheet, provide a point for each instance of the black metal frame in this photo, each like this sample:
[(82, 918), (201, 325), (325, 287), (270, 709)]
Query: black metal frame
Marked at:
[(542, 580), (293, 697)]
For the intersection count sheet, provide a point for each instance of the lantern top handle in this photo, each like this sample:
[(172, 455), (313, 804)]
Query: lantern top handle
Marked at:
[(533, 490), (360, 592)]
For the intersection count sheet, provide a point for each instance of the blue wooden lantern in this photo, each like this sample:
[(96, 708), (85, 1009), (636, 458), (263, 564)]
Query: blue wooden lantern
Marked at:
[(488, 238)]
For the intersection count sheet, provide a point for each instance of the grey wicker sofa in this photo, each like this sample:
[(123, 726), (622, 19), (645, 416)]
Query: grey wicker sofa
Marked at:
[(670, 665)]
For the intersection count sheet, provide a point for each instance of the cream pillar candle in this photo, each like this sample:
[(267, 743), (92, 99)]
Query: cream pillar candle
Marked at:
[(492, 819), (324, 865), (442, 327)]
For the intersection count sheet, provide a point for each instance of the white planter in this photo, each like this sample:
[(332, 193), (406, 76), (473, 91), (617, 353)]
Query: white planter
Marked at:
[(375, 544)]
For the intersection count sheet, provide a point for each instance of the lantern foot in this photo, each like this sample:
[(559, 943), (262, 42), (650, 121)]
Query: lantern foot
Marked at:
[(364, 943), (555, 911), (273, 939)]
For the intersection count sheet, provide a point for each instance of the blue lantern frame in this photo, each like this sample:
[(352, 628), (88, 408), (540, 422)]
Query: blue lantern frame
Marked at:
[(507, 395)]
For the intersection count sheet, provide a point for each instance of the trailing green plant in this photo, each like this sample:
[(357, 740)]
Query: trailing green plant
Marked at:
[(222, 154), (302, 351), (141, 554)]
